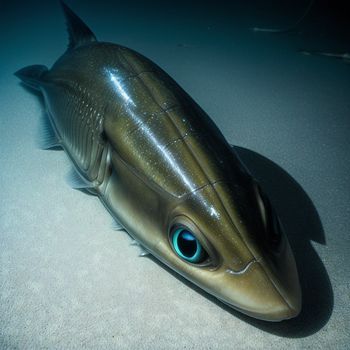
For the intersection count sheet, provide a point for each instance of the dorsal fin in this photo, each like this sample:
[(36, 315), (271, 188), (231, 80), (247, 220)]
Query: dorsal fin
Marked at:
[(79, 32)]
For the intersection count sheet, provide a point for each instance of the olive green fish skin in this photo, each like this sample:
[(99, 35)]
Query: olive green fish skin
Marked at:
[(157, 161)]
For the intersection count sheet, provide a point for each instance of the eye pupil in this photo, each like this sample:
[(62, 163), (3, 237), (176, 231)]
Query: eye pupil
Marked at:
[(187, 246)]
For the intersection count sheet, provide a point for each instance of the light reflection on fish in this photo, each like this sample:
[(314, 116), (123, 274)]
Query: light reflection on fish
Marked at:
[(166, 173)]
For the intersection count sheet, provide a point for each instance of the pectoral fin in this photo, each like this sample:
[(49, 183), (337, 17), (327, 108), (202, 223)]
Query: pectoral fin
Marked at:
[(76, 181), (47, 136)]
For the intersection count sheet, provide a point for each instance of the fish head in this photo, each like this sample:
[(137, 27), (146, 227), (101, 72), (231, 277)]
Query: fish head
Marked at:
[(227, 239)]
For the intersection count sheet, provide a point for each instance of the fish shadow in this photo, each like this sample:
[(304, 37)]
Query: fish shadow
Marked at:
[(302, 225)]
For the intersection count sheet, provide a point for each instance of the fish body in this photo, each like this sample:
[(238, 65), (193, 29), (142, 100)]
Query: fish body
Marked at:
[(166, 173)]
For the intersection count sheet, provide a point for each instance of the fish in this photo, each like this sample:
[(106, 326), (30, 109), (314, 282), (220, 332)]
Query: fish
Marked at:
[(290, 28), (165, 172), (344, 56)]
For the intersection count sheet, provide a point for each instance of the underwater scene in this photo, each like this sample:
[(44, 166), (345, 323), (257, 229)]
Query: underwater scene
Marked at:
[(174, 174)]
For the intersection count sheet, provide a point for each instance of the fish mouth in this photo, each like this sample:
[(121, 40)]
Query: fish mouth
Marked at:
[(290, 313), (243, 270), (267, 296)]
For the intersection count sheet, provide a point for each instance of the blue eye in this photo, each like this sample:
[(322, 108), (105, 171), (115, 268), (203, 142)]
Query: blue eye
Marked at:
[(187, 246)]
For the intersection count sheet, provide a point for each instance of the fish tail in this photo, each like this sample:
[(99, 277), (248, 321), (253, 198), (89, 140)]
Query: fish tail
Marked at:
[(32, 75)]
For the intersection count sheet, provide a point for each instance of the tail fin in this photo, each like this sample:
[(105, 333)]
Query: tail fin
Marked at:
[(32, 75), (79, 32)]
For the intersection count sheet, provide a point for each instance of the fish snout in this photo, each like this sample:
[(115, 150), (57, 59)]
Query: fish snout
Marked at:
[(252, 291), (267, 287)]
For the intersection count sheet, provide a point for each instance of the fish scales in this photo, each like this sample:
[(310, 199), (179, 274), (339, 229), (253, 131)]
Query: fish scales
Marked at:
[(78, 127), (162, 121)]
